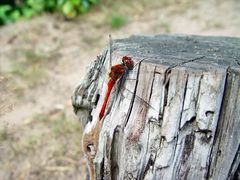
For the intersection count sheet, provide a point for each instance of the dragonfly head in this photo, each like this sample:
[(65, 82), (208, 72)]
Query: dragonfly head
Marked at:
[(128, 62)]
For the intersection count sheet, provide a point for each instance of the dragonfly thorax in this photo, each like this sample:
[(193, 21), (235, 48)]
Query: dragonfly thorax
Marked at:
[(117, 71)]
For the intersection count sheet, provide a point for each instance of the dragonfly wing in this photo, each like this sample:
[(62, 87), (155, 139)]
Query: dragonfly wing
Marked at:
[(123, 91), (138, 99)]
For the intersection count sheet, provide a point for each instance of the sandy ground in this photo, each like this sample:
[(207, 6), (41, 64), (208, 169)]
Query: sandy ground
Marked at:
[(31, 108)]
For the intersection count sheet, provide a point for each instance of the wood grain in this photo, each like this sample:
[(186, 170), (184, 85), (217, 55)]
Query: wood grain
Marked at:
[(176, 116)]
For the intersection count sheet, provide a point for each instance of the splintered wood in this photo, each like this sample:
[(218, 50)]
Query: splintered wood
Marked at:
[(176, 116)]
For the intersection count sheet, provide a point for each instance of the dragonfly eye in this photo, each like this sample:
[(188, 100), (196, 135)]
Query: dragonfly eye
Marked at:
[(127, 61)]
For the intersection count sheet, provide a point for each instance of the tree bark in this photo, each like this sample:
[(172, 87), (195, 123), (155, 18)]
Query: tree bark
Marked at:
[(176, 116)]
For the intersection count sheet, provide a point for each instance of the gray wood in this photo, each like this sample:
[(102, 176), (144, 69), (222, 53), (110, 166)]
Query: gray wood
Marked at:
[(176, 116)]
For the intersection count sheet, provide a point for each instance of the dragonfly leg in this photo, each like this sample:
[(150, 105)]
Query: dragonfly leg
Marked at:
[(129, 79)]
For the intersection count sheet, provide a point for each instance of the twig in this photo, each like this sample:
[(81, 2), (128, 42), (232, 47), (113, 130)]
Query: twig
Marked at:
[(110, 50)]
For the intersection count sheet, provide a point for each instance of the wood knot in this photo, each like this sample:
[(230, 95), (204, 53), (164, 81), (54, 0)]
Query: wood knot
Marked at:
[(91, 151)]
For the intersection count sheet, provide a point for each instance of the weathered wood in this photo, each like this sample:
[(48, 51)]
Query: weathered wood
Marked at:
[(177, 115)]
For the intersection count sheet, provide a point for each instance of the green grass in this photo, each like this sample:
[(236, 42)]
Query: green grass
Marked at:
[(58, 123), (61, 125), (33, 141), (214, 24), (30, 74), (118, 20), (165, 26), (28, 69), (51, 142), (3, 134)]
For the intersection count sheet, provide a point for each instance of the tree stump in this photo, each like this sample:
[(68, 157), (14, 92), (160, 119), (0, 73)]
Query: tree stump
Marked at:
[(175, 116)]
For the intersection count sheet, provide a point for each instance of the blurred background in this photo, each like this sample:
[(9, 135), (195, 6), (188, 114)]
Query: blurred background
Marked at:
[(45, 47)]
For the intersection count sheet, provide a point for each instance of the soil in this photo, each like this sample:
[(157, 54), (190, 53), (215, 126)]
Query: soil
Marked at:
[(67, 47)]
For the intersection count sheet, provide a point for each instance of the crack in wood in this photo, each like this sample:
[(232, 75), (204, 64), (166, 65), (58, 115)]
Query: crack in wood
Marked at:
[(184, 97), (184, 62), (215, 135), (153, 79), (116, 151), (238, 62), (145, 165), (133, 97), (143, 171), (107, 158), (188, 124), (235, 164), (166, 78)]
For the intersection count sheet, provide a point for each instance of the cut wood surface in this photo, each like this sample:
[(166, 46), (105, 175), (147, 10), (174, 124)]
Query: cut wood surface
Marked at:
[(175, 116)]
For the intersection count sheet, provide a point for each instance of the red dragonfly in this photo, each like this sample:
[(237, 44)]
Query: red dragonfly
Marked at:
[(115, 74)]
